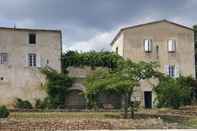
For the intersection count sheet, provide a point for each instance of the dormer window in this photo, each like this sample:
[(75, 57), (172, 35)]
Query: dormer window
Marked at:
[(32, 38), (171, 45), (148, 45)]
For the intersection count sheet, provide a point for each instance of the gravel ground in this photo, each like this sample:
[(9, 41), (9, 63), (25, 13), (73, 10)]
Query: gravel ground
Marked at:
[(83, 124)]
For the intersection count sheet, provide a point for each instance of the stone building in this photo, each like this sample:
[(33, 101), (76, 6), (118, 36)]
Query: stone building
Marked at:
[(169, 43), (22, 53)]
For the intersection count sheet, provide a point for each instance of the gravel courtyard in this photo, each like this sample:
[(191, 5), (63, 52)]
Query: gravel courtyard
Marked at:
[(144, 119)]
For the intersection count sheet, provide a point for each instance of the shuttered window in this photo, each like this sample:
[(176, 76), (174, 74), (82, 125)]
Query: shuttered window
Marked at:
[(148, 45), (172, 70), (171, 45)]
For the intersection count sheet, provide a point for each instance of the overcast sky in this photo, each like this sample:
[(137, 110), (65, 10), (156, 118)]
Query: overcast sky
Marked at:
[(92, 24)]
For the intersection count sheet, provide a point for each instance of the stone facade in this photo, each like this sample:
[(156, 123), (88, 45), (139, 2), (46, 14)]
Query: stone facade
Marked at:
[(18, 78), (75, 99), (130, 44)]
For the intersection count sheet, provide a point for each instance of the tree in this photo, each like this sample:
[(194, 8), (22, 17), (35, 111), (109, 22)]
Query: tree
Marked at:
[(171, 92), (56, 87), (121, 80)]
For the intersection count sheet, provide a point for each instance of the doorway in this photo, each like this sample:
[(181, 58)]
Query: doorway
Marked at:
[(148, 99)]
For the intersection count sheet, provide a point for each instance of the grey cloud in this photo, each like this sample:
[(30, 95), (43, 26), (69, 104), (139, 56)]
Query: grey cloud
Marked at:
[(84, 20)]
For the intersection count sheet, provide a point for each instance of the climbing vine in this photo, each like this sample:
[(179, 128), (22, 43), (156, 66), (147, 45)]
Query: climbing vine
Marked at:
[(57, 88), (92, 59)]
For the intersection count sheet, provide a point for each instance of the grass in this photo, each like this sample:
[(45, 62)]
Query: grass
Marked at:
[(192, 123), (64, 115)]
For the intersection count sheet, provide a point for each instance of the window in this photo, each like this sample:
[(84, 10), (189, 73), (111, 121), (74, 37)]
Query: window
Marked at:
[(172, 70), (147, 45), (171, 45), (117, 50), (32, 59), (32, 38), (3, 58)]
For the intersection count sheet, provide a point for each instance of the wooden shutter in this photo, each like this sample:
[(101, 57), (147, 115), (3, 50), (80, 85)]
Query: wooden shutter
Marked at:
[(174, 45), (150, 45), (170, 43), (26, 60), (166, 69), (146, 45), (177, 71), (38, 60)]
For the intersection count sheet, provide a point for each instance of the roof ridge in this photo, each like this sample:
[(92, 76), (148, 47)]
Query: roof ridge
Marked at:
[(154, 22)]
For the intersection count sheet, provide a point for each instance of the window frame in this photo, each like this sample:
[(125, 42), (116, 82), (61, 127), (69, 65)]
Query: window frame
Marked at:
[(171, 49), (171, 70), (148, 46), (3, 58), (32, 60), (32, 41)]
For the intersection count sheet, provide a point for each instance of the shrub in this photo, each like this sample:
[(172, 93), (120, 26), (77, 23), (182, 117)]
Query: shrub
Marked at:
[(38, 104), (4, 112), (174, 92), (23, 104), (57, 88), (42, 104)]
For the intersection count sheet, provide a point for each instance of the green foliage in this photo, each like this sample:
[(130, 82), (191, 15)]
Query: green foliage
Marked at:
[(23, 104), (41, 104), (92, 59), (57, 88), (174, 92), (4, 112), (120, 80)]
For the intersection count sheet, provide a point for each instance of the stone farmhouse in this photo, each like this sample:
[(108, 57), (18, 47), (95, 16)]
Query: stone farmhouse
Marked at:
[(22, 53), (168, 43)]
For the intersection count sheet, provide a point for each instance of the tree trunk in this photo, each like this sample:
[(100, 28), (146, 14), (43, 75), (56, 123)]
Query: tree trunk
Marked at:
[(126, 105), (131, 104)]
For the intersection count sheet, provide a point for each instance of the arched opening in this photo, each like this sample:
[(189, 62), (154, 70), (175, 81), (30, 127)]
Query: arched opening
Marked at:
[(75, 100)]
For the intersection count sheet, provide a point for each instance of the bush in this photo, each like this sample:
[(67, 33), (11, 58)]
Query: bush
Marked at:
[(23, 104), (4, 112), (42, 104), (174, 92)]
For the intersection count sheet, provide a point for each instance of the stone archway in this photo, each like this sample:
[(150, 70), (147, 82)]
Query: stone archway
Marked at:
[(75, 100)]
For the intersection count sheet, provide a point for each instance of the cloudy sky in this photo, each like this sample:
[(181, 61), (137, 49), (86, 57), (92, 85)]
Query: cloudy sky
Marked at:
[(92, 24)]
